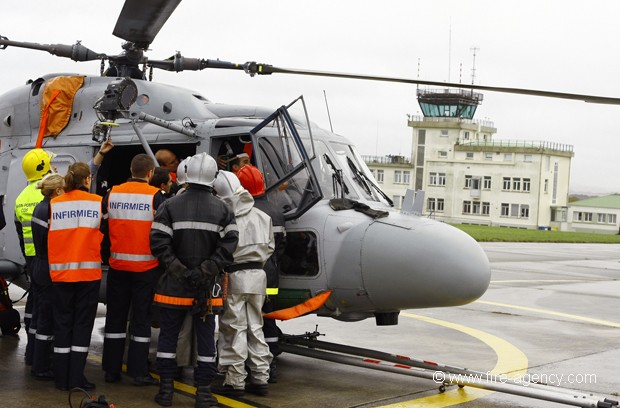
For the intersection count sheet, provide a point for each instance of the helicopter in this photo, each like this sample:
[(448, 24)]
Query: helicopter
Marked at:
[(373, 266)]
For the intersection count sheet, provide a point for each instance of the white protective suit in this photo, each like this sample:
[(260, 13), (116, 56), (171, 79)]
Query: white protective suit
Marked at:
[(241, 336)]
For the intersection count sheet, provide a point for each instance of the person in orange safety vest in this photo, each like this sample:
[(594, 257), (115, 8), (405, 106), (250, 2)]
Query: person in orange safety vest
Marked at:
[(129, 210), (74, 245)]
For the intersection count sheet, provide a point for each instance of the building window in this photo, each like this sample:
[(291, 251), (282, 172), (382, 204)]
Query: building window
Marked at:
[(379, 176), (466, 135), (444, 132), (432, 179), (441, 179), (488, 156), (516, 184), (406, 176), (505, 209), (507, 156), (398, 176), (601, 218), (611, 218), (469, 155), (526, 184), (514, 210), (486, 183), (475, 207), (582, 216), (525, 211), (466, 207), (468, 181), (440, 204), (546, 188), (431, 204), (506, 183), (527, 158), (486, 208), (443, 154)]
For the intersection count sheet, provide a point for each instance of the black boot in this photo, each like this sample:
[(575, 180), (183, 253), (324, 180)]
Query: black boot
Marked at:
[(204, 398), (166, 390)]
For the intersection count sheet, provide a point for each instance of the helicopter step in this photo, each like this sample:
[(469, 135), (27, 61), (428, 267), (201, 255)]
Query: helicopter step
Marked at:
[(307, 345)]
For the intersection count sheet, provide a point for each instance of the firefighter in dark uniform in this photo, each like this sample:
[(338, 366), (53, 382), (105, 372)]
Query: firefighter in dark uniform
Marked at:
[(51, 186), (128, 212), (36, 164), (252, 180), (194, 236), (74, 252)]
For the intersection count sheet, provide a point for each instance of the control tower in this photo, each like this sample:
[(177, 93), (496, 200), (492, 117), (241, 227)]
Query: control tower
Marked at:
[(449, 103)]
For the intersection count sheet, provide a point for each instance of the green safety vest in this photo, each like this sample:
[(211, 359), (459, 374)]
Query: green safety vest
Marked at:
[(24, 207)]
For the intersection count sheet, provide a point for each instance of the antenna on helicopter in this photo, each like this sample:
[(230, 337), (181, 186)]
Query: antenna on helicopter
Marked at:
[(328, 115)]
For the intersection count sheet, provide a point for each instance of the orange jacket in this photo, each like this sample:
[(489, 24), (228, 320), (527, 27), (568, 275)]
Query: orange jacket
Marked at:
[(130, 215), (74, 240)]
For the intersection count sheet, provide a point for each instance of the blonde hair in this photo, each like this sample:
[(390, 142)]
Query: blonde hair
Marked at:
[(50, 183)]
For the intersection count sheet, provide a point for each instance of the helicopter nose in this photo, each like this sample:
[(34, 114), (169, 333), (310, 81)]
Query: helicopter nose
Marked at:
[(420, 263)]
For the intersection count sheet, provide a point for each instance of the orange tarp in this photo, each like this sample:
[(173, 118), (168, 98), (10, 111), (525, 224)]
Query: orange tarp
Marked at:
[(301, 309), (56, 104)]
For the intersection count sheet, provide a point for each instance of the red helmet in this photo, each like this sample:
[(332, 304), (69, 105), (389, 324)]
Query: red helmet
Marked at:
[(252, 180)]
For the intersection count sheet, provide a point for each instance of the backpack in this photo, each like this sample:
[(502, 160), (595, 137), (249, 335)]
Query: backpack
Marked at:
[(10, 320)]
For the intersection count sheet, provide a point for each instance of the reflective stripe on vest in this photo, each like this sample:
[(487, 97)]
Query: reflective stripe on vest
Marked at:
[(130, 215), (74, 241), (24, 208), (272, 291)]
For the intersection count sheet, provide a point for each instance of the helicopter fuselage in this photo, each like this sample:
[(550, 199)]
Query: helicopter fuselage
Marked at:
[(374, 266)]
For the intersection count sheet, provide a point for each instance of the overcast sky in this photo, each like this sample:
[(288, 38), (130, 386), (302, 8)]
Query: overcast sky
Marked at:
[(550, 45)]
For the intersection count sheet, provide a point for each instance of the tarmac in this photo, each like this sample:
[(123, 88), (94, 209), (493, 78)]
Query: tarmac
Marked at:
[(551, 313)]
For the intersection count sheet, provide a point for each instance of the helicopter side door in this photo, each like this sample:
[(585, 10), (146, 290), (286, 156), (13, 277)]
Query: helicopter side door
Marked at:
[(281, 152)]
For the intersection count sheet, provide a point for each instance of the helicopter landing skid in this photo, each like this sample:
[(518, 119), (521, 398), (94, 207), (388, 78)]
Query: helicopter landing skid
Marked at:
[(444, 375)]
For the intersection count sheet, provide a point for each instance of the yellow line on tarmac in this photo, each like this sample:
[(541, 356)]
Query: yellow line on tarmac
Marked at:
[(188, 389), (551, 312), (510, 361)]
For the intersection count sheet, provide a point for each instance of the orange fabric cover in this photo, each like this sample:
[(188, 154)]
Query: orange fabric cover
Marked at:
[(301, 309), (56, 104)]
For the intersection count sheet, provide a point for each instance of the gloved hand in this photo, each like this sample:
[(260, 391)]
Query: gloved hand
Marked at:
[(195, 278), (209, 268)]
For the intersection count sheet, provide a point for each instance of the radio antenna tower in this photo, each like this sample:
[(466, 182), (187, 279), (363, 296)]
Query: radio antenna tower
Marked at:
[(473, 69)]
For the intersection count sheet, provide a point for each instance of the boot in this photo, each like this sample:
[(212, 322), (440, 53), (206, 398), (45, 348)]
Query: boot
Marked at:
[(166, 391), (204, 398)]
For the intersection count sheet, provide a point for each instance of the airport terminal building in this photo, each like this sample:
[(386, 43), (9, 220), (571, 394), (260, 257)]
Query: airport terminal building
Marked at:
[(471, 177)]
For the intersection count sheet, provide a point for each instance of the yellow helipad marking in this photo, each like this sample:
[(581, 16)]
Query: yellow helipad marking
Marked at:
[(553, 313), (188, 389), (510, 361)]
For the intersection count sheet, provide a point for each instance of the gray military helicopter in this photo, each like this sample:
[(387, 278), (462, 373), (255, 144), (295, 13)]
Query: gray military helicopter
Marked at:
[(375, 261)]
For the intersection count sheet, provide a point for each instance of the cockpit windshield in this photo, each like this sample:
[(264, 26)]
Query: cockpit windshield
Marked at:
[(345, 175)]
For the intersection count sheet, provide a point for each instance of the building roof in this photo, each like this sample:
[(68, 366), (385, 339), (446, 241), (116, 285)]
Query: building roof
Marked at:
[(609, 201)]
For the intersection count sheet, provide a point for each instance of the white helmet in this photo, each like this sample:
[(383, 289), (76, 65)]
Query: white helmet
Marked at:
[(201, 169), (226, 184), (181, 171)]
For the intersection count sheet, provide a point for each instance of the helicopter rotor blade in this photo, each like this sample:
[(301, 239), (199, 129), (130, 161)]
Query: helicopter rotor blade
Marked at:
[(140, 21), (264, 69), (77, 52)]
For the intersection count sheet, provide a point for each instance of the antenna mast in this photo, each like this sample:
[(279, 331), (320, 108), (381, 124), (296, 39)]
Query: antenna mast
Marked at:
[(473, 69)]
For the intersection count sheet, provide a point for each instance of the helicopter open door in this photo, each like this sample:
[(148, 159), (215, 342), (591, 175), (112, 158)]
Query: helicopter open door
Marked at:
[(283, 150)]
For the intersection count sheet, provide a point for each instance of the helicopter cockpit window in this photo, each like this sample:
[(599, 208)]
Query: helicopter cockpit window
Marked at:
[(325, 167), (301, 256), (355, 169)]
